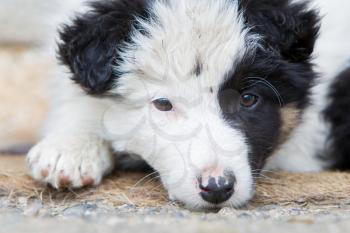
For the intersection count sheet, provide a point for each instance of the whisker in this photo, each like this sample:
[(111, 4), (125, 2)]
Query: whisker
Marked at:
[(158, 186), (264, 171), (148, 178), (144, 178), (152, 179)]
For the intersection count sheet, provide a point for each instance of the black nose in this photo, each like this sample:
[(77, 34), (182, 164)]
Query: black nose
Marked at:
[(218, 190)]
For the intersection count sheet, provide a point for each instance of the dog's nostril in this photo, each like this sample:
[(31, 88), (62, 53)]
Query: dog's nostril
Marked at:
[(218, 189)]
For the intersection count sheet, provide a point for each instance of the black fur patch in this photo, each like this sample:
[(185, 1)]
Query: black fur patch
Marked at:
[(89, 46), (338, 114), (279, 72), (288, 28)]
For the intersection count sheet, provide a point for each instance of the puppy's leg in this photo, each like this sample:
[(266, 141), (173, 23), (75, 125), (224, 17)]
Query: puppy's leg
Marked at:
[(73, 153)]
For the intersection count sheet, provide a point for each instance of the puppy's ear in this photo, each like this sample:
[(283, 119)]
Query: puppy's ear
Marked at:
[(291, 28), (89, 45)]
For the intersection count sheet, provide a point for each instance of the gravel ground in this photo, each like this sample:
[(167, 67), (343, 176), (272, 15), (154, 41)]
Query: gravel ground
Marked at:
[(33, 217)]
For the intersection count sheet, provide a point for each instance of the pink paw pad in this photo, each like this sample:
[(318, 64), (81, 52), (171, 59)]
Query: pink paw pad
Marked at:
[(87, 181), (64, 180), (44, 173)]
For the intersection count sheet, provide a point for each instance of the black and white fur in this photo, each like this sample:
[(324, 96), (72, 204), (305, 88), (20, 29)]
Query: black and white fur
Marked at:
[(203, 56)]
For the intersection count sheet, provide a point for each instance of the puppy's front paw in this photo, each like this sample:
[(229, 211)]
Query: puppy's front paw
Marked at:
[(70, 162)]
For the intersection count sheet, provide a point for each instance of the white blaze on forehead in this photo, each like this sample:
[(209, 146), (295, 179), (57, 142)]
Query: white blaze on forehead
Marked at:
[(183, 34)]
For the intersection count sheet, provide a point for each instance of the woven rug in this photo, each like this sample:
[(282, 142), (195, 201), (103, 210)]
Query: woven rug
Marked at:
[(137, 189)]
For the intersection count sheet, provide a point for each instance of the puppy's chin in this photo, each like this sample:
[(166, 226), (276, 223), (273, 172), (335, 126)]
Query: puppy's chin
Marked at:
[(194, 201), (188, 195)]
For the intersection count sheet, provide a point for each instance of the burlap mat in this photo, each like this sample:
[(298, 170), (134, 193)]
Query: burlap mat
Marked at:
[(133, 188)]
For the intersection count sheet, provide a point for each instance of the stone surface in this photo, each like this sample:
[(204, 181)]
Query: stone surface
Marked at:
[(33, 216)]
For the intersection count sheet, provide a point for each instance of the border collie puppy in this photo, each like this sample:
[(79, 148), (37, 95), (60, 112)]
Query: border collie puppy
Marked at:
[(207, 92)]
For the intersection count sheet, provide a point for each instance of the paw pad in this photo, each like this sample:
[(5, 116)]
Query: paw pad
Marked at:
[(64, 180), (87, 181), (44, 173)]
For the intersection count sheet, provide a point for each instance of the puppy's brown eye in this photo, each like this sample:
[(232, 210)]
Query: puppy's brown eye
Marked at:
[(163, 105), (248, 100)]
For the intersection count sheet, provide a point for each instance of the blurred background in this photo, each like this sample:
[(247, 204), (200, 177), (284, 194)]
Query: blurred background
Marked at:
[(27, 62)]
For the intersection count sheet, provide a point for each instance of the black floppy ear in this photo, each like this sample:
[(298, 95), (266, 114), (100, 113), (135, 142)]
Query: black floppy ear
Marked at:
[(291, 28), (89, 45)]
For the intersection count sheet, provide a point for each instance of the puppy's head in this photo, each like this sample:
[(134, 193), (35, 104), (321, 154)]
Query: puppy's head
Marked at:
[(205, 90)]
